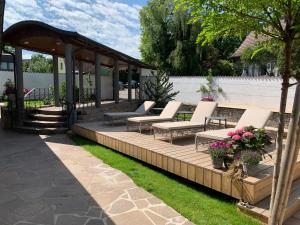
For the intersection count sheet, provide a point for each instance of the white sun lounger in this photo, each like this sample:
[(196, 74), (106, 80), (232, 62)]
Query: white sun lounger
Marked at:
[(251, 117), (167, 114), (141, 111), (197, 122)]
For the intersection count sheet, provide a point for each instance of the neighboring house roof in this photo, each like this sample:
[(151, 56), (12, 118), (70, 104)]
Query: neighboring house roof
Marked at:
[(251, 40)]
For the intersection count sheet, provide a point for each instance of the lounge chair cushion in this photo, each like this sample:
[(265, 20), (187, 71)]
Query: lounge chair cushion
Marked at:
[(215, 134), (254, 117), (177, 125), (122, 114), (204, 109), (144, 119), (145, 107), (171, 109)]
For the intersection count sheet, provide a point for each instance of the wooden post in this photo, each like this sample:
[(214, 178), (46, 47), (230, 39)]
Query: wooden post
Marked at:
[(55, 80), (69, 83), (129, 82), (98, 79), (116, 81), (19, 85), (288, 163), (80, 74)]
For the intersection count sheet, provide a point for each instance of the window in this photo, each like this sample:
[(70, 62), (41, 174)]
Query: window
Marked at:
[(4, 66), (61, 65), (11, 66)]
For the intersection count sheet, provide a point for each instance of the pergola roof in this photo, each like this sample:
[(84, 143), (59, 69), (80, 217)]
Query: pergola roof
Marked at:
[(40, 37)]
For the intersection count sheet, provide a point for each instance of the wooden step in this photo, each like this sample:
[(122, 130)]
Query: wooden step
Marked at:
[(40, 123), (41, 130), (51, 111), (261, 209), (44, 117)]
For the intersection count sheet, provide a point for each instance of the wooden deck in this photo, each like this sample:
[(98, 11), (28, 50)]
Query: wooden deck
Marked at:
[(180, 158)]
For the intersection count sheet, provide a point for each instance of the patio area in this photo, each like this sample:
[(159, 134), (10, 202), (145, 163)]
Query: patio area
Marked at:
[(51, 181), (181, 158)]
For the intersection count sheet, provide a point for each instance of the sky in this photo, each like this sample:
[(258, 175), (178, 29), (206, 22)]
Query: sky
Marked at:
[(114, 23)]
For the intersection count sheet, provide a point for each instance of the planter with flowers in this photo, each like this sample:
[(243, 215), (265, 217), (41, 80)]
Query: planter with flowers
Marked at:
[(218, 151), (248, 148), (245, 148)]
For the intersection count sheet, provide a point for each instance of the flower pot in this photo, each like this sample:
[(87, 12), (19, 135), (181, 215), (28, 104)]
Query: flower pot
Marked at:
[(217, 163), (228, 160), (247, 168)]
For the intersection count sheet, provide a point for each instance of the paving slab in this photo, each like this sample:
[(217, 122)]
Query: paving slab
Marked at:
[(47, 180)]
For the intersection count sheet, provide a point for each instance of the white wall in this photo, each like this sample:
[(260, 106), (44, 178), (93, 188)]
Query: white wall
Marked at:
[(44, 80), (238, 91)]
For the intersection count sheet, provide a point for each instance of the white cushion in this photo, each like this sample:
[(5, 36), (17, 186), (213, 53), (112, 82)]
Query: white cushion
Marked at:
[(177, 125), (215, 134)]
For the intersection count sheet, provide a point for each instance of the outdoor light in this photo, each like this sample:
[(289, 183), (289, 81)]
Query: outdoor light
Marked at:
[(58, 43), (53, 49), (26, 42)]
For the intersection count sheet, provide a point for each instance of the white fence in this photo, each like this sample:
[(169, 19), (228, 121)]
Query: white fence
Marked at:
[(237, 91), (45, 80)]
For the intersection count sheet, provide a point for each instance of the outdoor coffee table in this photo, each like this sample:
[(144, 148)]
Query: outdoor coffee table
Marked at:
[(219, 118)]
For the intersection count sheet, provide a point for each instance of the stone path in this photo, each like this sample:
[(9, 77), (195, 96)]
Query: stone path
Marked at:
[(46, 180)]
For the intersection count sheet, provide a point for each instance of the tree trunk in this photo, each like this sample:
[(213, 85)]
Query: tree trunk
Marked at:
[(2, 6), (280, 131), (288, 164)]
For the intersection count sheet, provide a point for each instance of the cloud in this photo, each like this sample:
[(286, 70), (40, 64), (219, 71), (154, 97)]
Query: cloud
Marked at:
[(109, 22)]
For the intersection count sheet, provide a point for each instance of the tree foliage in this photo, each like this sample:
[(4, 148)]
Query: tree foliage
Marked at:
[(279, 20), (38, 64), (169, 42), (159, 89)]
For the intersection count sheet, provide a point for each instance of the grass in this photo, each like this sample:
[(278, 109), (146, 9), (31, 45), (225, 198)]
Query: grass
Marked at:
[(30, 103), (197, 203)]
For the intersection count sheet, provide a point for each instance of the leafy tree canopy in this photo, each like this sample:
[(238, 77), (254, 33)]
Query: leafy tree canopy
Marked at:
[(38, 64), (169, 42)]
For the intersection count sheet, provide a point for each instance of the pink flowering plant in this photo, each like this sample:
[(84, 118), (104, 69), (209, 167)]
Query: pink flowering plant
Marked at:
[(249, 138), (219, 149), (248, 149)]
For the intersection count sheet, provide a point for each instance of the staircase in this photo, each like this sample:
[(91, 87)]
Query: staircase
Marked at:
[(45, 121), (261, 209)]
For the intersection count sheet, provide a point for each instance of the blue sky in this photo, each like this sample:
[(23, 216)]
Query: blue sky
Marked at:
[(111, 22)]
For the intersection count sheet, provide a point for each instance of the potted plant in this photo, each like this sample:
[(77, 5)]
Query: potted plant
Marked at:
[(248, 147), (208, 90), (9, 90), (218, 151), (250, 159)]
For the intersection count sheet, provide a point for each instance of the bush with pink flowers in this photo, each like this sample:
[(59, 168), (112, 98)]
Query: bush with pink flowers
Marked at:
[(245, 144), (248, 138)]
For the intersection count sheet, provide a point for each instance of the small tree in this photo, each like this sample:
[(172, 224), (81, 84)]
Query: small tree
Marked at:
[(209, 92), (159, 89)]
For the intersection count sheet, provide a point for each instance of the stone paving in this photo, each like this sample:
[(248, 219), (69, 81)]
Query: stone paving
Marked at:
[(46, 180)]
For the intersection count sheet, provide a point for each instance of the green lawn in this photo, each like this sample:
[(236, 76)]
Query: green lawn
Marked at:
[(30, 103), (197, 203)]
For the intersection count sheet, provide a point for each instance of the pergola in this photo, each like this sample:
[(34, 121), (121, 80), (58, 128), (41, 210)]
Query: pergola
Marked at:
[(76, 49)]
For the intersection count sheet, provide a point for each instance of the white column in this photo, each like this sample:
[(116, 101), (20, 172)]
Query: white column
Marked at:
[(69, 82), (19, 84), (98, 79), (55, 80), (80, 74), (129, 82), (116, 81)]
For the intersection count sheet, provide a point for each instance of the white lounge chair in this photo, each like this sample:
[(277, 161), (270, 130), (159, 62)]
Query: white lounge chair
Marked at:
[(141, 111), (197, 122), (167, 114), (251, 117)]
